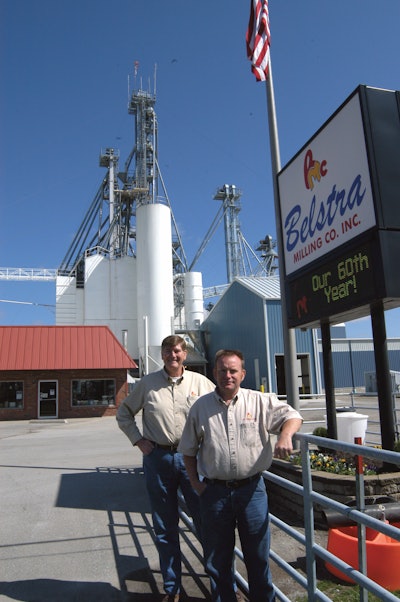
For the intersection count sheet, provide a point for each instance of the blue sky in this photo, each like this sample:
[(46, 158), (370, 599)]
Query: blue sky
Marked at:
[(64, 70)]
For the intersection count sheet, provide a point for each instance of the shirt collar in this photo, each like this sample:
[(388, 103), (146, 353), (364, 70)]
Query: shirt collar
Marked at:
[(170, 378), (233, 401)]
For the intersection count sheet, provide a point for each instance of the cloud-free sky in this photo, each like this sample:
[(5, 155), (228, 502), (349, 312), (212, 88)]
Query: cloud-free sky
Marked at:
[(64, 70)]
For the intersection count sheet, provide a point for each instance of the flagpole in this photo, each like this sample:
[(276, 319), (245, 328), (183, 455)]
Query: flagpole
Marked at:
[(289, 339)]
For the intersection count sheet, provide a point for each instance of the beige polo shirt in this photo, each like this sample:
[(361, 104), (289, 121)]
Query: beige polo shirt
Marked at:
[(233, 442), (164, 405)]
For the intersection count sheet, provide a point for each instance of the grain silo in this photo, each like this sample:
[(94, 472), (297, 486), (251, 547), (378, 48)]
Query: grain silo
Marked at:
[(119, 269)]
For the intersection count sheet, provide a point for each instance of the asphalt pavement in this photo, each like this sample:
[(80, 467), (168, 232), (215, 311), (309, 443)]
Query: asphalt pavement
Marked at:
[(76, 524)]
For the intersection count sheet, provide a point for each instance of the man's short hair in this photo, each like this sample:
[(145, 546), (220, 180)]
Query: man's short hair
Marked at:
[(229, 353), (172, 341)]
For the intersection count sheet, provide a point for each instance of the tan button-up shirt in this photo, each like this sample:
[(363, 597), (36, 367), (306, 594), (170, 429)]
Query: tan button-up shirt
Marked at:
[(233, 441), (164, 404)]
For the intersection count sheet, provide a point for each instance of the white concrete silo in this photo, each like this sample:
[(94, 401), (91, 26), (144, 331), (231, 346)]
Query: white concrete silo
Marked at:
[(193, 294), (97, 308), (155, 297)]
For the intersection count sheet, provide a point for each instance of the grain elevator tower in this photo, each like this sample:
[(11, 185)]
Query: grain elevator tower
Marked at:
[(120, 267)]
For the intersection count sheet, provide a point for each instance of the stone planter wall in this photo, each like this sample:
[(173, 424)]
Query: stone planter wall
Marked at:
[(341, 488)]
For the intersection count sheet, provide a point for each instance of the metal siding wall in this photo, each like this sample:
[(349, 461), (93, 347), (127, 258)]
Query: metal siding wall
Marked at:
[(342, 370), (275, 334), (303, 340), (394, 359), (362, 360), (213, 329), (237, 322), (275, 327)]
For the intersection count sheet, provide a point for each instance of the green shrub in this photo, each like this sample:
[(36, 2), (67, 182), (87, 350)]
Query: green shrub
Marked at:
[(321, 431)]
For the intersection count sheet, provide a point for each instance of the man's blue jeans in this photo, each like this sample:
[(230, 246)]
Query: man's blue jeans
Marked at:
[(165, 473), (222, 510)]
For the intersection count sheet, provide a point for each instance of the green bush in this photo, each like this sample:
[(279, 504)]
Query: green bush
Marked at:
[(321, 431)]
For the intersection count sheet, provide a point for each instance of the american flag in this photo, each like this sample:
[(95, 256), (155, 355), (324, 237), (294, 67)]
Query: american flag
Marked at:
[(258, 38)]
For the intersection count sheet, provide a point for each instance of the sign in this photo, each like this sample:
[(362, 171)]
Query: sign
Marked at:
[(334, 288), (340, 213), (325, 192)]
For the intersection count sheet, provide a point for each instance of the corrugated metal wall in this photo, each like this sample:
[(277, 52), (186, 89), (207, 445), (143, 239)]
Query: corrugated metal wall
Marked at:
[(237, 322), (352, 358), (243, 320)]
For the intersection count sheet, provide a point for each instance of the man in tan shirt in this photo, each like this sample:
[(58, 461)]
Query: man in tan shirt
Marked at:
[(226, 439), (164, 398)]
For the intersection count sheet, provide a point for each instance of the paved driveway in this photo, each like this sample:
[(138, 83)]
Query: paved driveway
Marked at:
[(75, 522)]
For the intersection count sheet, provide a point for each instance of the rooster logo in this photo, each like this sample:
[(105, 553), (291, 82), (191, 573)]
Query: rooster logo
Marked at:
[(313, 170)]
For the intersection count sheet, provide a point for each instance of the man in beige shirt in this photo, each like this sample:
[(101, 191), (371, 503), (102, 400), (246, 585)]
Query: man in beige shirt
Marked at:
[(164, 398), (226, 439)]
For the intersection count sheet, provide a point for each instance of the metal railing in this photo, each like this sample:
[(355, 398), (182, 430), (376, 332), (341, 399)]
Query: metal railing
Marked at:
[(312, 550), (310, 497), (28, 274)]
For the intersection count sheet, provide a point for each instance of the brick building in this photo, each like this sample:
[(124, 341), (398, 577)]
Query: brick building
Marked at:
[(61, 372)]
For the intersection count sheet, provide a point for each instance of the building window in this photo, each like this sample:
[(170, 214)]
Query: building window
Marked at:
[(93, 392), (12, 394)]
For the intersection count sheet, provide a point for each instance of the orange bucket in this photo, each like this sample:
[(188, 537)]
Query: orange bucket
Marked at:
[(383, 555)]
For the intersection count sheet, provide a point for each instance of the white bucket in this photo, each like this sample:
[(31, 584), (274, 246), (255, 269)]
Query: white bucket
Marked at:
[(351, 425)]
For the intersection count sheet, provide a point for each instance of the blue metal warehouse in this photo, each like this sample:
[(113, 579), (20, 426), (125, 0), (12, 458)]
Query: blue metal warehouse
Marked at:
[(248, 317)]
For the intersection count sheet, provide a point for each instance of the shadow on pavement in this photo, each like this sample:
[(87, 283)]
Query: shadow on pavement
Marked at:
[(121, 492), (52, 590), (114, 489)]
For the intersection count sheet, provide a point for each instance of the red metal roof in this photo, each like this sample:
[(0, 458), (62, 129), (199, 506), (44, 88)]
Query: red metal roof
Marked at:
[(61, 348)]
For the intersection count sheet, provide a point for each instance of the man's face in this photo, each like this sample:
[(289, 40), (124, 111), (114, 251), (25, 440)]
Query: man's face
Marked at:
[(228, 373), (173, 358)]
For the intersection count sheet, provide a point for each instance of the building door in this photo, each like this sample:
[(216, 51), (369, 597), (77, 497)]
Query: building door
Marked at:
[(302, 373), (280, 375), (48, 399)]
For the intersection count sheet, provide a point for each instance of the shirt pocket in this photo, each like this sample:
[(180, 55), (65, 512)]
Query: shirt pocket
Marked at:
[(248, 433), (190, 399)]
